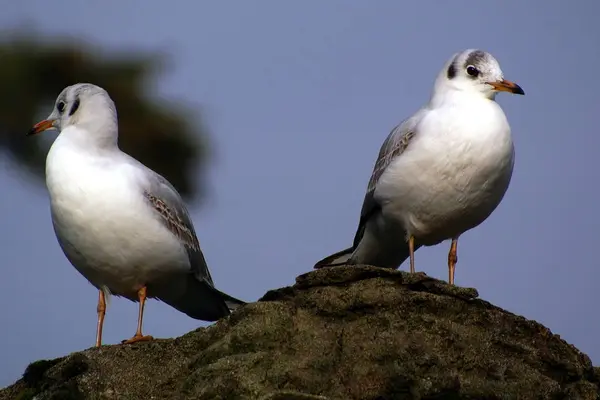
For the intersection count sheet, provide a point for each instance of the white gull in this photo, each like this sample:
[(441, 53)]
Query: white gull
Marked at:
[(122, 226), (440, 172)]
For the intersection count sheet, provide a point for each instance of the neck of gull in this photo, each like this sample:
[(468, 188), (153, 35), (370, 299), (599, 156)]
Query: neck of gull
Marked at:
[(92, 136), (449, 95)]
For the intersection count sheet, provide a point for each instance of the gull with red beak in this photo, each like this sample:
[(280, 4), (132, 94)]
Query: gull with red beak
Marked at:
[(439, 173), (122, 225)]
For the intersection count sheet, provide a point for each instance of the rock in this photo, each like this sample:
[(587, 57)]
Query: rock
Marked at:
[(338, 333)]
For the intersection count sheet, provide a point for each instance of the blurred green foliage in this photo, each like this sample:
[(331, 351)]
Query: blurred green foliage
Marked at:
[(162, 134)]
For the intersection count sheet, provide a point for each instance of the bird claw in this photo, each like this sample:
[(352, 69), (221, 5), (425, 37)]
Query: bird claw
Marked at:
[(137, 338)]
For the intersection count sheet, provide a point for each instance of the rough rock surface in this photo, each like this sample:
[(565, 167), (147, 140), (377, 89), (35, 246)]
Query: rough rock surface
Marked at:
[(338, 333)]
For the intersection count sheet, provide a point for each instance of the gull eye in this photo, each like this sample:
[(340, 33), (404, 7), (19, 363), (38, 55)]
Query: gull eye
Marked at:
[(60, 106), (471, 70)]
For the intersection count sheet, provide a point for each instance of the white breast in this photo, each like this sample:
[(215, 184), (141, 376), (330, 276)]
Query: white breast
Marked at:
[(105, 226), (453, 174)]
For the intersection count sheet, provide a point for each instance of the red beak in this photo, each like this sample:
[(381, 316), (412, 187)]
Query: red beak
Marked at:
[(507, 86), (41, 127)]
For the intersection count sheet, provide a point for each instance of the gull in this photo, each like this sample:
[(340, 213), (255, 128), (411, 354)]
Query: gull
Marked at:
[(123, 226), (439, 173)]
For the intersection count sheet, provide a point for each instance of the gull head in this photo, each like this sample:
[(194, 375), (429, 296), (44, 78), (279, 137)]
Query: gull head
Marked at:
[(84, 106), (474, 72)]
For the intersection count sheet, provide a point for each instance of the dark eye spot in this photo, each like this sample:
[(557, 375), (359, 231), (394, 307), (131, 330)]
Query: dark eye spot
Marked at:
[(60, 106), (451, 71), (74, 107), (471, 70)]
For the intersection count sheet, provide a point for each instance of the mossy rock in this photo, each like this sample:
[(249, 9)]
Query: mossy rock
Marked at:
[(338, 333)]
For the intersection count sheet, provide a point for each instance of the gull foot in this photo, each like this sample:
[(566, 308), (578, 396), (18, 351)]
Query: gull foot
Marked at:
[(137, 338)]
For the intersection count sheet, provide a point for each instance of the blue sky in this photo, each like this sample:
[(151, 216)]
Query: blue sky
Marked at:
[(298, 97)]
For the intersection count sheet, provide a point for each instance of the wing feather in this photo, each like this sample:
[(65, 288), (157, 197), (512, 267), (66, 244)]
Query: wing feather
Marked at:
[(169, 205), (394, 145)]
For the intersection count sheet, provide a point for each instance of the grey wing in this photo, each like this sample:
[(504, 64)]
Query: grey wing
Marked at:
[(167, 202), (393, 146)]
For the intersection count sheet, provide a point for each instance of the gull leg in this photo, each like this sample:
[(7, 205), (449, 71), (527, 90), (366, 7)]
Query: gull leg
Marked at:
[(452, 260), (411, 252), (101, 309), (138, 337)]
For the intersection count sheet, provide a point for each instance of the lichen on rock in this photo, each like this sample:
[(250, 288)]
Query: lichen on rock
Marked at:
[(338, 333)]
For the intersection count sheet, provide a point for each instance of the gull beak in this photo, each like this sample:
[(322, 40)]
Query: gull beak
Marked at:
[(42, 126), (506, 86)]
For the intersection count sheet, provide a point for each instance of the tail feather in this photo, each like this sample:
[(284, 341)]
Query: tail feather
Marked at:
[(336, 259), (196, 298), (231, 302)]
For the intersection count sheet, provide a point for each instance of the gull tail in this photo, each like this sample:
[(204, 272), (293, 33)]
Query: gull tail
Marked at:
[(197, 298), (336, 259), (231, 302)]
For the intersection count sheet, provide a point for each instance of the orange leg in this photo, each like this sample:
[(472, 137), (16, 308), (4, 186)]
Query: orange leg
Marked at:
[(101, 311), (411, 252), (452, 260), (138, 337)]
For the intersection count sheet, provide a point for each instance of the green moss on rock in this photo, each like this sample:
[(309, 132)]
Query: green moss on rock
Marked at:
[(338, 333)]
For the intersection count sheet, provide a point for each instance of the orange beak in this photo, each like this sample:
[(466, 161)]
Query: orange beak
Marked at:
[(41, 127), (506, 86)]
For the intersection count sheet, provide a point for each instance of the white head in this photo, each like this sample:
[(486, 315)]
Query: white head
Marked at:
[(84, 106), (473, 72)]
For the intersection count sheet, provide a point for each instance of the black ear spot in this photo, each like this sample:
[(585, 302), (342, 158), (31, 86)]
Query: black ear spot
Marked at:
[(74, 107), (451, 71)]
